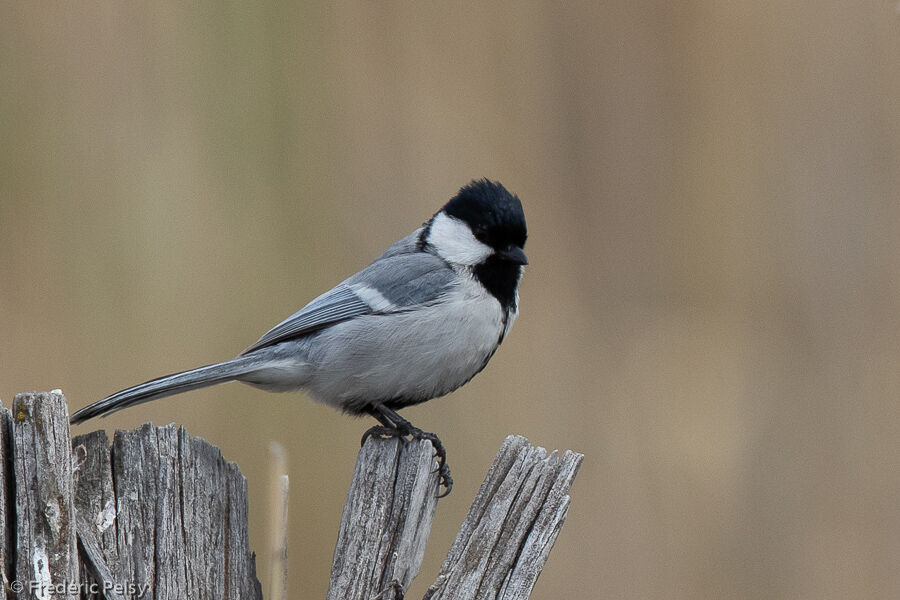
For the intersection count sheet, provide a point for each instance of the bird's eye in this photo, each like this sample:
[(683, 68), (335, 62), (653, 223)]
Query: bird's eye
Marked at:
[(480, 233)]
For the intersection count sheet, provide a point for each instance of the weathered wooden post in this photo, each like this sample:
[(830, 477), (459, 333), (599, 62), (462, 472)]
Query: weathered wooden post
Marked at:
[(511, 526), (500, 548), (386, 520), (160, 514)]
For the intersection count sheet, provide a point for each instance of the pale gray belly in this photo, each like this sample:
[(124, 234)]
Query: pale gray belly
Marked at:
[(397, 359), (403, 358)]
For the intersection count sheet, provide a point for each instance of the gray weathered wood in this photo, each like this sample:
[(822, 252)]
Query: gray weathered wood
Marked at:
[(94, 497), (160, 509), (511, 526), (7, 512), (500, 549), (162, 514), (96, 574), (181, 517), (46, 556), (386, 520), (240, 564)]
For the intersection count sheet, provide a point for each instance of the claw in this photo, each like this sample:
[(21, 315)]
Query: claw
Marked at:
[(446, 480), (393, 425), (404, 430), (439, 452)]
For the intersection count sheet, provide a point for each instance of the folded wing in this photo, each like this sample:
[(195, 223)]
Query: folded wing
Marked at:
[(390, 284)]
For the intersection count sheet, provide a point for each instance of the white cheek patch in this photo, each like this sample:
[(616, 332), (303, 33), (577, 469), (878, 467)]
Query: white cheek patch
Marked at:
[(454, 242)]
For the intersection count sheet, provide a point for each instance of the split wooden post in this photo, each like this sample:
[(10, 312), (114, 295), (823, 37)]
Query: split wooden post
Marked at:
[(161, 514), (501, 547)]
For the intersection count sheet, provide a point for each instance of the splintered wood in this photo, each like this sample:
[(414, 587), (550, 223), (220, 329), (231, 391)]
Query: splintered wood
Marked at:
[(159, 514)]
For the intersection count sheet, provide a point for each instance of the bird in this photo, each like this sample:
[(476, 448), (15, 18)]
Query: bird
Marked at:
[(419, 322)]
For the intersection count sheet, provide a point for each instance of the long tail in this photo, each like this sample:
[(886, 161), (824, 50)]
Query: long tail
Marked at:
[(168, 385)]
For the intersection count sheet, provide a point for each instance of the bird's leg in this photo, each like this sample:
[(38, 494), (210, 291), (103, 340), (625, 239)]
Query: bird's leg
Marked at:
[(393, 425)]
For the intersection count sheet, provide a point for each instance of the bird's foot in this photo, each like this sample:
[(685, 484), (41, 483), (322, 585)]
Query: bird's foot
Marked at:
[(404, 430)]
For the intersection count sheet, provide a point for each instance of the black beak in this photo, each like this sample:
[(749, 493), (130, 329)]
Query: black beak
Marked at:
[(514, 254)]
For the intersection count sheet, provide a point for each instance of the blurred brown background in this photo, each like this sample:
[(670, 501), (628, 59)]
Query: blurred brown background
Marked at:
[(711, 309)]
